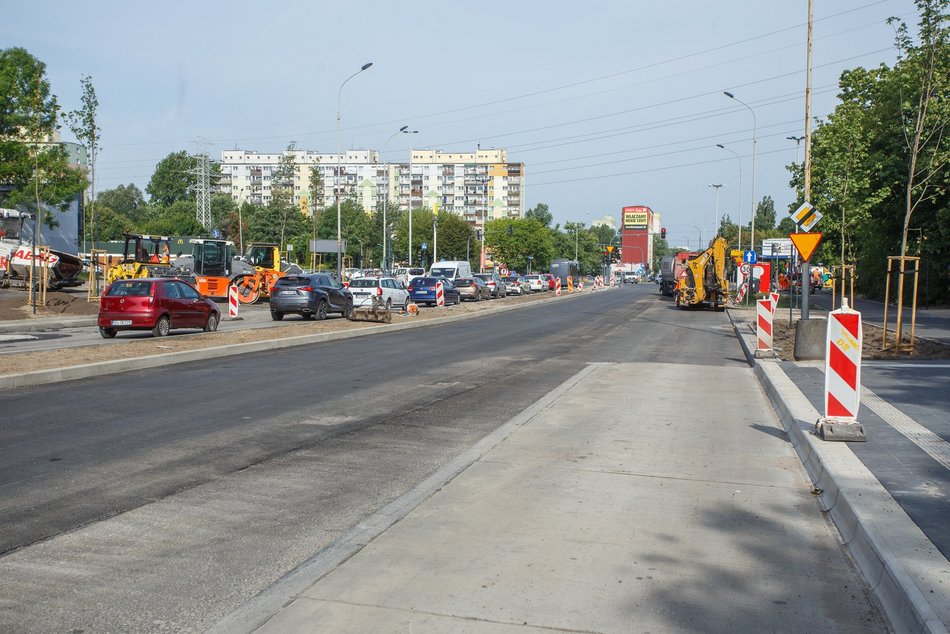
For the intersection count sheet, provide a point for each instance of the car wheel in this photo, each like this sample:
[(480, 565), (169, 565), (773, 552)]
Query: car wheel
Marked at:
[(322, 309), (276, 316), (162, 326), (108, 333), (212, 324), (389, 304), (478, 296), (348, 310)]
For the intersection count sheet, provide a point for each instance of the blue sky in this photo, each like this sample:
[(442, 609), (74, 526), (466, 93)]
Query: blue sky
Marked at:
[(607, 103)]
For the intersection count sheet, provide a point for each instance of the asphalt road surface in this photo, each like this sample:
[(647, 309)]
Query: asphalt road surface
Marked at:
[(164, 499)]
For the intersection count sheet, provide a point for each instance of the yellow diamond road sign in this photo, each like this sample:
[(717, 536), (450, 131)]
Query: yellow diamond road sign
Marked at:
[(806, 217)]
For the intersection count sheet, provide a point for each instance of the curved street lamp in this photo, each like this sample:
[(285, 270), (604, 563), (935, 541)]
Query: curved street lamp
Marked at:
[(754, 134), (386, 196), (716, 221), (410, 133), (721, 146), (339, 157)]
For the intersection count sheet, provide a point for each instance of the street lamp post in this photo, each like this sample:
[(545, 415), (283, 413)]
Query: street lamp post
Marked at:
[(754, 136), (696, 227), (339, 157), (386, 196), (798, 141), (721, 146), (410, 133), (716, 222)]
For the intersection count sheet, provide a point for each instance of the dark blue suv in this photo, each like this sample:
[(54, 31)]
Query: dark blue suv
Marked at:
[(422, 291), (310, 296)]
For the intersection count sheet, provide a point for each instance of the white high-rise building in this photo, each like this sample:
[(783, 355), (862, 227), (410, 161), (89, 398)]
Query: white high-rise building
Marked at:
[(477, 186)]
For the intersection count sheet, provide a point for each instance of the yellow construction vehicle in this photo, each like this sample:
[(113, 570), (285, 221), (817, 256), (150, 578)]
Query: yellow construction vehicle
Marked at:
[(257, 273), (142, 256), (705, 282)]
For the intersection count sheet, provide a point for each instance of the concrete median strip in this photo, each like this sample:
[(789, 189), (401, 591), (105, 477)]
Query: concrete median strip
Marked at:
[(902, 566), (102, 368)]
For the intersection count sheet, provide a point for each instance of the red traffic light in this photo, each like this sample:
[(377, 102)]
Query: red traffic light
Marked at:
[(663, 233)]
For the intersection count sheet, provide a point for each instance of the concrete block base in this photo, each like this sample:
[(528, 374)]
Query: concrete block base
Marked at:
[(810, 339)]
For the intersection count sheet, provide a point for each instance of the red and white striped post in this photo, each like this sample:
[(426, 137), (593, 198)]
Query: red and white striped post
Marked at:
[(439, 294), (763, 328), (233, 302), (557, 286), (842, 376), (774, 297)]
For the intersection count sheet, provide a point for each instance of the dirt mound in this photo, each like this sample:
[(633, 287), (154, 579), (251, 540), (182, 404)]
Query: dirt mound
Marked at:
[(15, 304)]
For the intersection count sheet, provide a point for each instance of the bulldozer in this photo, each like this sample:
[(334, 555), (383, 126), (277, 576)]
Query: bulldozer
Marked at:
[(704, 282), (143, 256)]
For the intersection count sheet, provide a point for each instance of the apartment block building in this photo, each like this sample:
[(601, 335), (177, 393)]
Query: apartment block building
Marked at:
[(478, 186)]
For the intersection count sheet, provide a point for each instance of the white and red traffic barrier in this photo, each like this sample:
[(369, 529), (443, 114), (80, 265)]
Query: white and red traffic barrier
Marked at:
[(842, 376), (233, 302), (557, 286), (763, 325), (774, 297), (439, 294)]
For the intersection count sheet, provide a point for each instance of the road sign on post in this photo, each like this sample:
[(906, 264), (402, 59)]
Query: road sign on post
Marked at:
[(806, 243), (806, 216), (750, 257)]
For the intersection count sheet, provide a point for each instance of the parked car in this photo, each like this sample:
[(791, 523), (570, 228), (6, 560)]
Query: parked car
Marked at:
[(311, 296), (516, 284), (422, 291), (496, 285), (451, 269), (156, 304), (472, 288), (549, 278), (536, 283), (390, 292)]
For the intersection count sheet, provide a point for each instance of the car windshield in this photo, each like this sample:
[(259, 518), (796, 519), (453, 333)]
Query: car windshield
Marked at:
[(448, 271), (484, 276), (130, 288), (364, 282)]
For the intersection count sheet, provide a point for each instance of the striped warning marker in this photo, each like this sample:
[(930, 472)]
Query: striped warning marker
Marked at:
[(774, 297), (233, 302), (763, 314), (557, 286), (439, 294), (843, 365)]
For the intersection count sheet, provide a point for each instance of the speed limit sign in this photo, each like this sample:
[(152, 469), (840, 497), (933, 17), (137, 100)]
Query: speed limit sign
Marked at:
[(503, 271), (745, 269)]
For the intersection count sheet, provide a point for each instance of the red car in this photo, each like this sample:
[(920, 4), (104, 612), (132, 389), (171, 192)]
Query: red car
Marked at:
[(550, 279), (156, 304)]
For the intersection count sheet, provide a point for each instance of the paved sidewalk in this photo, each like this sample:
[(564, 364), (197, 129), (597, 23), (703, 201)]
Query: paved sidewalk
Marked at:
[(614, 505), (906, 570)]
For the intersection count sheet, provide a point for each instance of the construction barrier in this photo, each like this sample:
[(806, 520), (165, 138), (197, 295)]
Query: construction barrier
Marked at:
[(439, 294), (612, 281), (557, 287), (774, 297), (233, 302), (763, 320), (570, 284), (842, 376)]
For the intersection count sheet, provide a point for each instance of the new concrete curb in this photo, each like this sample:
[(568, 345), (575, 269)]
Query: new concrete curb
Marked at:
[(858, 505), (54, 375), (44, 323)]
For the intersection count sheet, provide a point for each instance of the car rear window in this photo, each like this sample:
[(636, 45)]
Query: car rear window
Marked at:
[(293, 280), (129, 288), (417, 271), (423, 281), (462, 281), (364, 282)]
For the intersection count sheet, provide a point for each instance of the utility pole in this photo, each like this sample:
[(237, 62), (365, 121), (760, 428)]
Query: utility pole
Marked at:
[(806, 268)]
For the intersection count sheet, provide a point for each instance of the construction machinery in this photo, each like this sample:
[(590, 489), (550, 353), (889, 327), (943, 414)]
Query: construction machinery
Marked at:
[(255, 275), (705, 282), (20, 260), (211, 262), (143, 256)]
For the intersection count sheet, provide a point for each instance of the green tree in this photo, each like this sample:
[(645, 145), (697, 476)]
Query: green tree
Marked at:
[(177, 219), (111, 225), (83, 124), (126, 200), (34, 170), (511, 241), (173, 179), (765, 214), (541, 213)]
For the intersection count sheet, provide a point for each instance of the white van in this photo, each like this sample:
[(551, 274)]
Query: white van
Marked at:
[(451, 269)]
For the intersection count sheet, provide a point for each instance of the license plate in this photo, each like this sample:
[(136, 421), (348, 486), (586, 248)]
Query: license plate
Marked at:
[(360, 294), (288, 292), (121, 322)]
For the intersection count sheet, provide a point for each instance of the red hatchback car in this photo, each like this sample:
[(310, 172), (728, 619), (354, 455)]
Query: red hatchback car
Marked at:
[(156, 304)]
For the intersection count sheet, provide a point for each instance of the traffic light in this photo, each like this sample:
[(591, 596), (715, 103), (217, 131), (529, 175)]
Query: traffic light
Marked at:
[(663, 233)]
